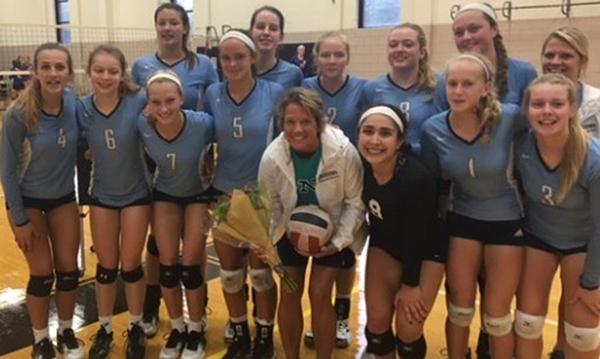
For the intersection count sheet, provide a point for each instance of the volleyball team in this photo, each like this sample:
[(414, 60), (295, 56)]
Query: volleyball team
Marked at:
[(487, 173)]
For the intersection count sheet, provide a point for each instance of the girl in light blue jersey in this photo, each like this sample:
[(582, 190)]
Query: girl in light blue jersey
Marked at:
[(566, 51), (470, 145), (120, 198), (243, 107), (342, 95), (266, 27), (175, 140), (196, 73), (37, 162), (559, 166), (410, 84)]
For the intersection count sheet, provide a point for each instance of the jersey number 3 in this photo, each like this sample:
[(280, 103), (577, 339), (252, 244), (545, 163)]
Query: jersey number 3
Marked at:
[(547, 196)]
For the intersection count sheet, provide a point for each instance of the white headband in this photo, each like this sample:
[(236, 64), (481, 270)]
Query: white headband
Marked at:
[(479, 61), (382, 110), (166, 76), (480, 7), (234, 34)]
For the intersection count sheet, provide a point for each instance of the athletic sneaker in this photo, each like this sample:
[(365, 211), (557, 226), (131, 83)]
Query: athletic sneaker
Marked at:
[(43, 350), (483, 346), (194, 346), (557, 354), (238, 350), (136, 342), (343, 335), (309, 339), (69, 346), (150, 324), (101, 344), (263, 350), (173, 346), (228, 332)]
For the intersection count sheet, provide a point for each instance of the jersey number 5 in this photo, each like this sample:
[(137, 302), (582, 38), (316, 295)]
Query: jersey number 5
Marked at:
[(238, 129)]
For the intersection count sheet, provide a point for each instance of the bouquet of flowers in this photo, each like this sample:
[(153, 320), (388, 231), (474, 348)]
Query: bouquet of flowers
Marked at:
[(245, 218)]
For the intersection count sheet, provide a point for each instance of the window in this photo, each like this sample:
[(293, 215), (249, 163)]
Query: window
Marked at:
[(379, 13), (63, 18), (188, 5)]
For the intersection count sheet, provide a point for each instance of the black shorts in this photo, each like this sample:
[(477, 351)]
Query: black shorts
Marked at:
[(144, 201), (204, 197), (46, 205), (213, 194), (538, 243), (487, 232), (291, 258)]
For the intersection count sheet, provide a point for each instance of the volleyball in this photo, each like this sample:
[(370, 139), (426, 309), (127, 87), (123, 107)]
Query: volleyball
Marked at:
[(309, 228)]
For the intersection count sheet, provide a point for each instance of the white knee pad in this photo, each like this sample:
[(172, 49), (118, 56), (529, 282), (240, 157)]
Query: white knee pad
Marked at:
[(529, 326), (498, 326), (262, 279), (460, 316), (582, 339), (232, 281)]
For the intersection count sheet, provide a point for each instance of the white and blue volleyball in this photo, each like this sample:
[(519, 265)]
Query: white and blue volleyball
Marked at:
[(309, 228)]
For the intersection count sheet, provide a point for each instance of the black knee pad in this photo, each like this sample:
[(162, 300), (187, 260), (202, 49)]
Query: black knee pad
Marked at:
[(380, 344), (105, 275), (67, 281), (40, 285), (151, 246), (169, 276), (132, 276), (414, 350), (191, 277)]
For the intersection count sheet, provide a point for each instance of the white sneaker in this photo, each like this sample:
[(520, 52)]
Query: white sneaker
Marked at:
[(69, 346), (228, 332), (309, 339), (194, 346), (173, 346), (150, 326), (343, 335)]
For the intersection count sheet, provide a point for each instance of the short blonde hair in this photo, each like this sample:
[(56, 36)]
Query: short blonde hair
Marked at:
[(308, 100)]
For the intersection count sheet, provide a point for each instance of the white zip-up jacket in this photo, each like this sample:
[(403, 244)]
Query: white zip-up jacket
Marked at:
[(338, 187), (589, 111)]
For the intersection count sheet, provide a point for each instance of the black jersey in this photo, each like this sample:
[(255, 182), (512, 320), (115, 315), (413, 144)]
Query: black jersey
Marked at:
[(402, 213)]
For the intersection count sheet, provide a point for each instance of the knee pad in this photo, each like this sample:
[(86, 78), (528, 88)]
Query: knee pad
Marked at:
[(529, 326), (191, 277), (262, 279), (169, 276), (67, 281), (151, 246), (497, 326), (380, 344), (105, 275), (414, 350), (232, 281), (582, 339), (132, 276), (460, 316), (40, 285)]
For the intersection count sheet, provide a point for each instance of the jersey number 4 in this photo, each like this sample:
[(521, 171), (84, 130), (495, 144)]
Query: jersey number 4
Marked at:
[(62, 138)]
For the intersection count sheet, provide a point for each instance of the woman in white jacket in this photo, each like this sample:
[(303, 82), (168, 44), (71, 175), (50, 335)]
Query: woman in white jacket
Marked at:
[(327, 166)]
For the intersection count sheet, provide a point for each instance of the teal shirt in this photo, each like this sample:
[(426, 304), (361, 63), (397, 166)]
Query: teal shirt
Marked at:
[(305, 170)]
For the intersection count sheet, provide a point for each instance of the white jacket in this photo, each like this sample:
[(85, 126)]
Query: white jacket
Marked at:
[(589, 111), (338, 187)]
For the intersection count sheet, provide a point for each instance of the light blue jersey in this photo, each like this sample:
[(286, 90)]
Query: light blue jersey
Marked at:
[(572, 223), (118, 176), (194, 81), (520, 75), (242, 130), (481, 175), (344, 106), (284, 73), (179, 160), (41, 164), (417, 105)]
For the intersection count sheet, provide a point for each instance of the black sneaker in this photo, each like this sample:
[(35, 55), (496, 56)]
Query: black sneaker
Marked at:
[(173, 346), (102, 342), (136, 342), (263, 350), (238, 350), (43, 350), (483, 346), (194, 346), (557, 354), (69, 346)]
